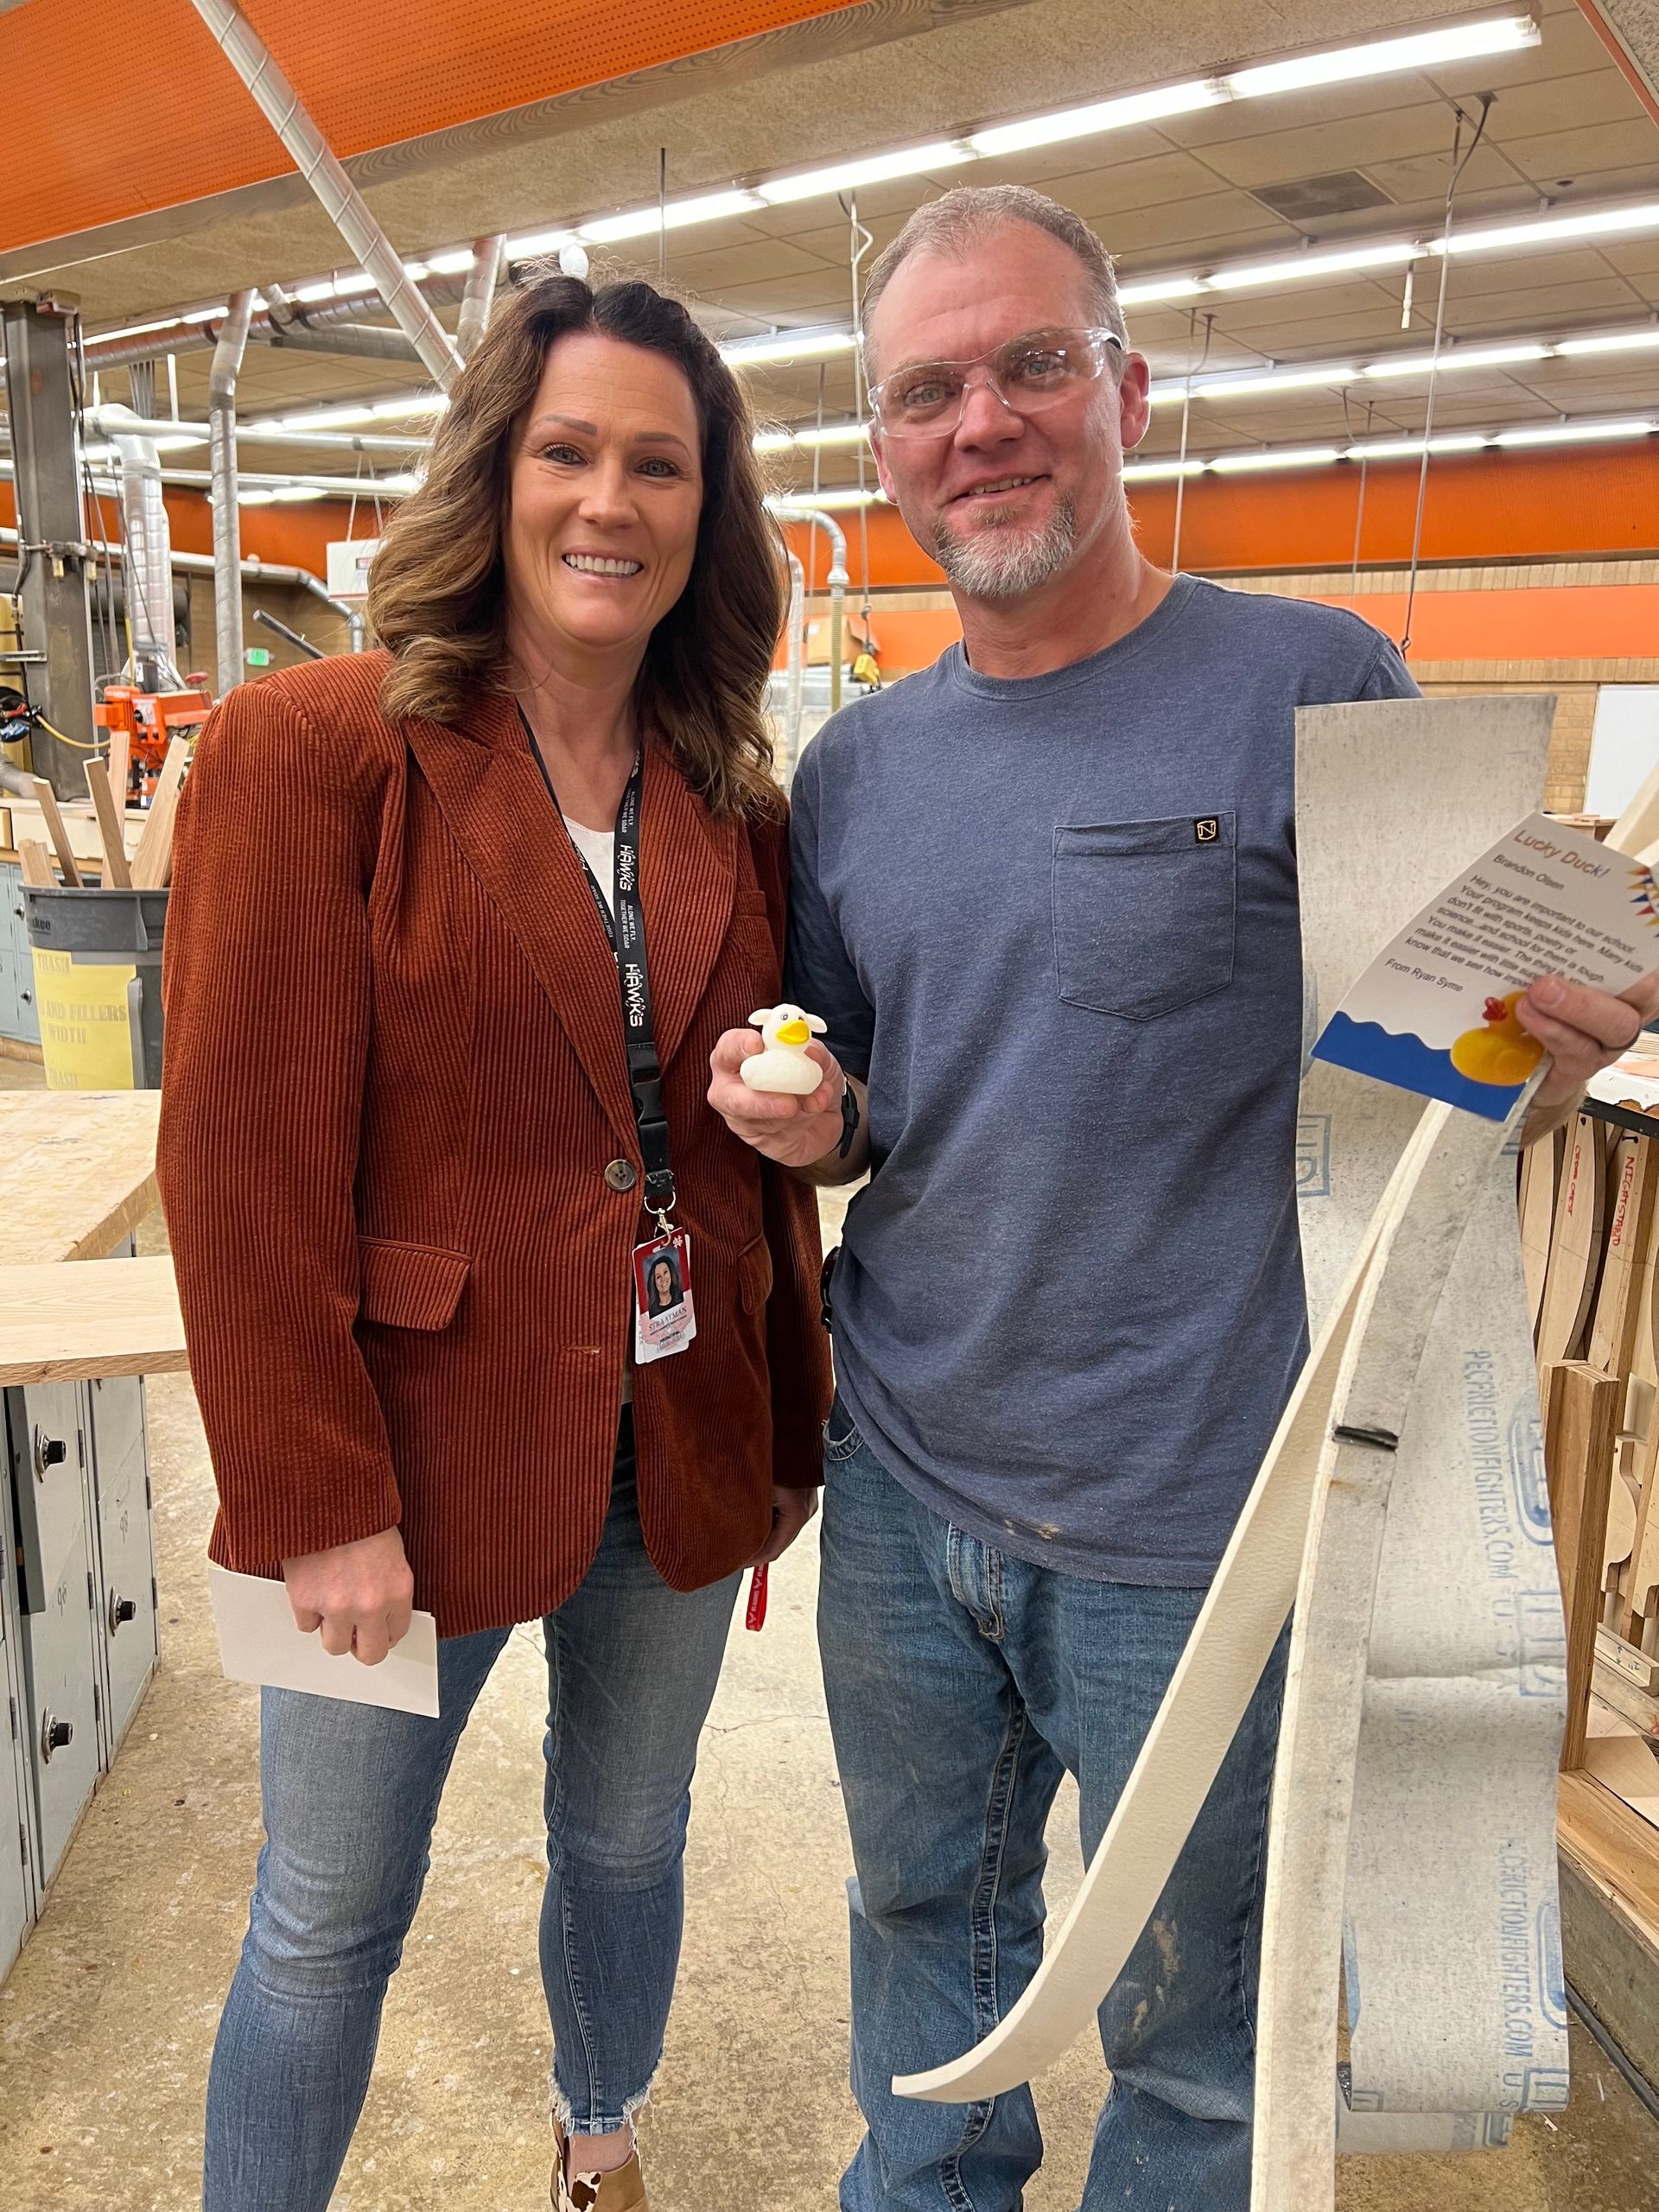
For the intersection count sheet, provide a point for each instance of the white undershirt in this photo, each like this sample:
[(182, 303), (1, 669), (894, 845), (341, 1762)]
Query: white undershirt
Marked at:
[(598, 848)]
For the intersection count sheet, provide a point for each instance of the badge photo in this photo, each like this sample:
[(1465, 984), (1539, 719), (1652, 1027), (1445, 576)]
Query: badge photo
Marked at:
[(664, 1319)]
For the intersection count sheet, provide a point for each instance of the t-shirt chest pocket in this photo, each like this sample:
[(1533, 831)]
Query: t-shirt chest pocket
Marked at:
[(1144, 914)]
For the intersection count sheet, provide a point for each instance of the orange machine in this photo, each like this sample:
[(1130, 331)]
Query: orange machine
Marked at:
[(144, 723)]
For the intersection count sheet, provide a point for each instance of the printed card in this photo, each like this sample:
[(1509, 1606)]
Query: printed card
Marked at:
[(1435, 1013)]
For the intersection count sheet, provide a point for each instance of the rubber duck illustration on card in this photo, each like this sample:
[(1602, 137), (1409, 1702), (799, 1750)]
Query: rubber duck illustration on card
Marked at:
[(1501, 1052)]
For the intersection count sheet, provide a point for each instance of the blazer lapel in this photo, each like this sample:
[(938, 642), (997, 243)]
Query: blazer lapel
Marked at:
[(688, 872), (490, 792)]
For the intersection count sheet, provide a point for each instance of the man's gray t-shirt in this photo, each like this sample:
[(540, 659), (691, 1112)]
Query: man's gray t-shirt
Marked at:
[(1054, 920)]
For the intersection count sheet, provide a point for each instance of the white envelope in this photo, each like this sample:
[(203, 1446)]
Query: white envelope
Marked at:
[(259, 1643)]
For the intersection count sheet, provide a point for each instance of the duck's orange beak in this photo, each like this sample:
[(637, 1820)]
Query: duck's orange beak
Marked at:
[(793, 1033)]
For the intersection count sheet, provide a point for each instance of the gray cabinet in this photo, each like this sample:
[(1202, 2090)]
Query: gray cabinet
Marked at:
[(125, 1568), (57, 1595), (17, 1850), (19, 1016)]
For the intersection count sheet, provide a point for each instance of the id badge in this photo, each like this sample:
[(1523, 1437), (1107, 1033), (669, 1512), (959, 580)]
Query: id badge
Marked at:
[(663, 1321)]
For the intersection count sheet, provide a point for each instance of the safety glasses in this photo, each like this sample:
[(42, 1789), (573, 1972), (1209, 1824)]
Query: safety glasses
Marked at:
[(1027, 375)]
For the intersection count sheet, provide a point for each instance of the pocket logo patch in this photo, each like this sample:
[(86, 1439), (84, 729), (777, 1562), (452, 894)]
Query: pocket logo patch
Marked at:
[(1206, 830)]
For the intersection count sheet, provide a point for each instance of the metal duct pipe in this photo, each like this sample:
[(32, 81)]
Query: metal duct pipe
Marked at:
[(339, 198), (481, 280), (794, 662), (287, 321), (255, 571), (163, 427), (221, 462), (148, 561), (364, 341), (788, 510)]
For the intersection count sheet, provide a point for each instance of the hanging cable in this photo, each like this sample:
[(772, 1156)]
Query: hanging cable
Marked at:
[(860, 244), (1458, 165), (1193, 369), (1359, 509)]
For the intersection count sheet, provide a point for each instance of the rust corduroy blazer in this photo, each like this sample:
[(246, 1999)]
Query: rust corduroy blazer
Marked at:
[(394, 1080)]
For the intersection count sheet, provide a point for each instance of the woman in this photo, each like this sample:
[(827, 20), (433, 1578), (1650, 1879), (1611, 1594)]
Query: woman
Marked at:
[(407, 1158)]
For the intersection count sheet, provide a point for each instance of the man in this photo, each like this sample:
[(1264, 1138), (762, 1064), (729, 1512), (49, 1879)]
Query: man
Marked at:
[(1045, 896)]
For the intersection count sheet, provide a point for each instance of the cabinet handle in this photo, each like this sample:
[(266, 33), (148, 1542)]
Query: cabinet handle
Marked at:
[(122, 1610), (56, 1736)]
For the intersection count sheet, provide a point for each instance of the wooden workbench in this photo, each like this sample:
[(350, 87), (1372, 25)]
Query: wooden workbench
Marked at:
[(79, 1177), (77, 1171)]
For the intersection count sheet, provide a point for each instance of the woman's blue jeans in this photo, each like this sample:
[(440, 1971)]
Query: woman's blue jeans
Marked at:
[(351, 1794), (961, 1683)]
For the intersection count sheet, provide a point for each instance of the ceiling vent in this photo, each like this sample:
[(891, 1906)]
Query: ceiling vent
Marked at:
[(1312, 199)]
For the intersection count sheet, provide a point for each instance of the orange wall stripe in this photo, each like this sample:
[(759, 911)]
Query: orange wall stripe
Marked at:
[(122, 106)]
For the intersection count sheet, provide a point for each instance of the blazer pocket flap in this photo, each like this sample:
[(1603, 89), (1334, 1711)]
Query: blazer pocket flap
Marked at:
[(409, 1286), (754, 1275)]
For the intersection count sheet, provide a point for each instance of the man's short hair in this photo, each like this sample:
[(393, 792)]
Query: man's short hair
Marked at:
[(965, 217)]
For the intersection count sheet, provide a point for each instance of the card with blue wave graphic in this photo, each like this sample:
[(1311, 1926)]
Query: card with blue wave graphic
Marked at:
[(1435, 1011)]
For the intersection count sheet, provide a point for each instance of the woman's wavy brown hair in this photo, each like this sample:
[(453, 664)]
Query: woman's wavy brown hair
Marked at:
[(437, 595)]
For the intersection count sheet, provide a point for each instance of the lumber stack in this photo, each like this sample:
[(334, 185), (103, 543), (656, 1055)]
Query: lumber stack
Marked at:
[(1589, 1202), (53, 859)]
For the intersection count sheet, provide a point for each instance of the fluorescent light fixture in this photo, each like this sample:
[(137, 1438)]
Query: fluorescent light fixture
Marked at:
[(1100, 115), (251, 497), (1409, 448), (531, 246), (772, 441), (406, 480), (1276, 457), (452, 262), (335, 288), (1458, 357), (1299, 266), (323, 418), (1425, 50), (847, 177), (1158, 288), (832, 433), (168, 322), (830, 501), (1615, 341), (1149, 472), (1552, 230), (289, 495), (420, 402), (641, 222), (1229, 386), (1562, 434), (786, 346)]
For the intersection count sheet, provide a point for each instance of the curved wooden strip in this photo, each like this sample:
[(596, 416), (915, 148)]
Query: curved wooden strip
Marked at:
[(1232, 1640)]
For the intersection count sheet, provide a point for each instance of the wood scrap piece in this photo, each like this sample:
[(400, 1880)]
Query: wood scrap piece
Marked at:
[(111, 828), (1575, 1244), (1621, 1525), (152, 863), (56, 830), (62, 1324), (36, 864), (1642, 1577), (1634, 1179), (1623, 1763), (1580, 1420), (119, 765), (1541, 1169), (1637, 827), (1603, 1833)]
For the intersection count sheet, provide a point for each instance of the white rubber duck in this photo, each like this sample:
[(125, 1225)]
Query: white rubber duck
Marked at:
[(784, 1066)]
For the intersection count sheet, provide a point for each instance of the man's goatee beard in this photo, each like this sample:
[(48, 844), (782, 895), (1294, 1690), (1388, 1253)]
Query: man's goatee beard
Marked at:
[(999, 559)]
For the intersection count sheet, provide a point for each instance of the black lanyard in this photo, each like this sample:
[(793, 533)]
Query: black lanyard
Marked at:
[(625, 928)]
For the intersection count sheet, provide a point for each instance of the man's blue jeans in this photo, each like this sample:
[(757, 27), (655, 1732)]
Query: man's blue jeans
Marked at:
[(961, 1683), (351, 1794)]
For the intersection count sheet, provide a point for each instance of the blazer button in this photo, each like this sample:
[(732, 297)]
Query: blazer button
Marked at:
[(621, 1175)]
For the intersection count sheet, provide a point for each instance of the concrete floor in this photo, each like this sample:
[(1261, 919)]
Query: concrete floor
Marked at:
[(108, 2018)]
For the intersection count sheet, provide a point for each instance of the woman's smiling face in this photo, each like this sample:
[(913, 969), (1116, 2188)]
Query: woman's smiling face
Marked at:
[(605, 496)]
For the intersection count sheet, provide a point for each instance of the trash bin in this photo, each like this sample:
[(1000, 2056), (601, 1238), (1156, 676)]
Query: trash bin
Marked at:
[(98, 985)]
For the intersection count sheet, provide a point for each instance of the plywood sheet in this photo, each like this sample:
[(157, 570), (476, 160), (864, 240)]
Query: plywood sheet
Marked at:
[(103, 1317), (77, 1170)]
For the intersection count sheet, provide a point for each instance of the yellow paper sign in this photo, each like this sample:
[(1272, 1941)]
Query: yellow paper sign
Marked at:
[(85, 1031)]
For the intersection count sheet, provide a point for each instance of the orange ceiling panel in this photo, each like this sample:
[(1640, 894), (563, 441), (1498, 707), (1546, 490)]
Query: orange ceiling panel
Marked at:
[(119, 107)]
